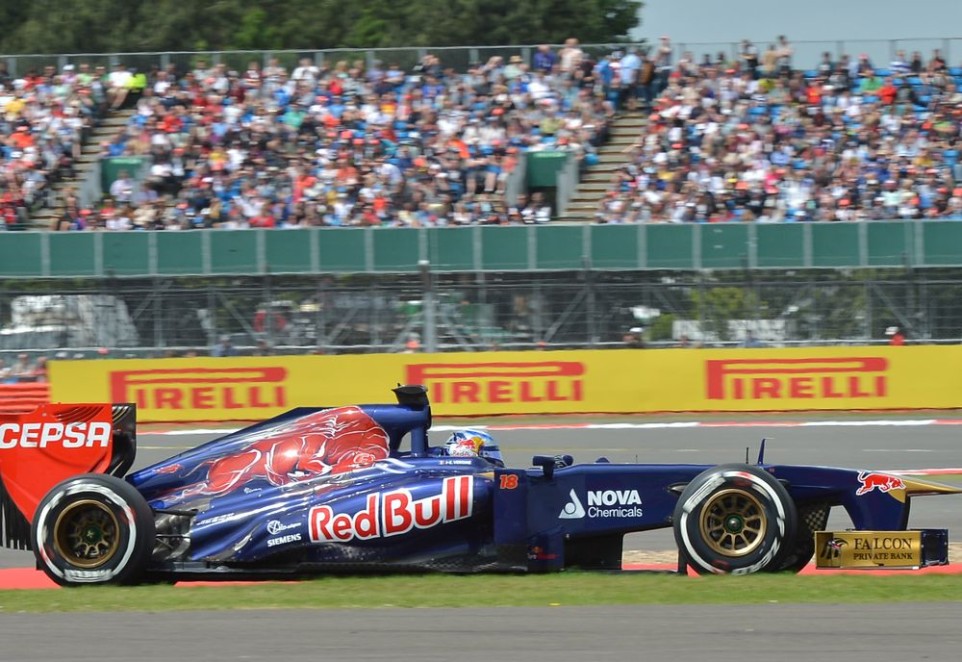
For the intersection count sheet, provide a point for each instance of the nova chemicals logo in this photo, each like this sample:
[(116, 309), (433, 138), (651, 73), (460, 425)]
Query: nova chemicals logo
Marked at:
[(573, 509), (603, 503), (859, 377)]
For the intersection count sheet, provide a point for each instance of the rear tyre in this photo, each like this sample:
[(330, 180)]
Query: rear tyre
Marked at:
[(93, 529), (735, 519)]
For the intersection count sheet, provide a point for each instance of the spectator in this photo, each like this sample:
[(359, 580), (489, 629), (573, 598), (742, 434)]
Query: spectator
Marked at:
[(40, 372), (225, 348), (122, 188), (629, 78), (826, 66), (750, 340), (23, 370), (784, 54), (515, 68), (118, 86), (895, 335), (647, 80), (937, 63), (544, 59), (663, 62), (916, 66), (770, 62), (749, 58), (571, 57), (900, 67), (635, 338)]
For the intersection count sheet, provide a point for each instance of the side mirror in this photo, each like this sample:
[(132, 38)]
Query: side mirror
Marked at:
[(546, 462)]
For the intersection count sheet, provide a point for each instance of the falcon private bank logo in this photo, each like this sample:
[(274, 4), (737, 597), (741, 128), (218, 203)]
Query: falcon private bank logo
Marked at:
[(200, 388), (500, 383), (857, 377)]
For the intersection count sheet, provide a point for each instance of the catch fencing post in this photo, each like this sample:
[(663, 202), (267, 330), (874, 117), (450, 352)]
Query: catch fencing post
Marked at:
[(429, 314)]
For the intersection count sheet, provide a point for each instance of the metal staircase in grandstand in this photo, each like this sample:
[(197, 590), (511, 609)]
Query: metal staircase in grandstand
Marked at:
[(612, 156), (85, 166)]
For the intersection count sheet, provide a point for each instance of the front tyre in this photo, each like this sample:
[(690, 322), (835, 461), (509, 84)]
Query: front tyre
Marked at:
[(735, 519), (93, 529)]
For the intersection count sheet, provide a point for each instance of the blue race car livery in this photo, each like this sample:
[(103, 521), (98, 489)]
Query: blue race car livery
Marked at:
[(320, 490)]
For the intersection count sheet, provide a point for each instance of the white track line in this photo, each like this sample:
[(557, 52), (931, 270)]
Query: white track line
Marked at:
[(665, 425)]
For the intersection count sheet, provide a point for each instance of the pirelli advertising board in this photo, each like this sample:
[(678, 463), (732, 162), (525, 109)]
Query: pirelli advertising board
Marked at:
[(472, 384)]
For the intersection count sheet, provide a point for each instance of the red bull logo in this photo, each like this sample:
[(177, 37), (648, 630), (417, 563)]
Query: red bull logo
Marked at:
[(796, 379), (875, 481), (500, 383), (395, 513), (199, 388)]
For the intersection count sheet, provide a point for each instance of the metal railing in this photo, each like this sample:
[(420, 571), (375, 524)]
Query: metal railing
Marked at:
[(568, 179), (806, 54), (471, 312)]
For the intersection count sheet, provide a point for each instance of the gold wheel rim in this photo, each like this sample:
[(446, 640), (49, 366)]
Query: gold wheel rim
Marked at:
[(86, 534), (733, 523)]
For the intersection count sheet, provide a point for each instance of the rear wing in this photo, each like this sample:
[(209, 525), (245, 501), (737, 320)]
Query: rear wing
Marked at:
[(54, 442)]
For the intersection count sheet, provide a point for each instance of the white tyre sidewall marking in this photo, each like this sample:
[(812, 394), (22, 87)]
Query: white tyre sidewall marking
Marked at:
[(113, 498), (713, 481)]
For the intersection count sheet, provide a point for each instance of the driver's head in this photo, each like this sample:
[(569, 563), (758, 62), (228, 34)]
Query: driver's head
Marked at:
[(473, 443)]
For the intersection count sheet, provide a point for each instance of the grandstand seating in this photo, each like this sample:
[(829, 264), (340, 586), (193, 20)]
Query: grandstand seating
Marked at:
[(725, 144), (347, 145), (46, 116), (366, 144)]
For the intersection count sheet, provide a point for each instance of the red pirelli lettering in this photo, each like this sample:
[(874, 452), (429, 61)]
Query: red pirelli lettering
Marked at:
[(200, 388), (500, 383), (775, 379)]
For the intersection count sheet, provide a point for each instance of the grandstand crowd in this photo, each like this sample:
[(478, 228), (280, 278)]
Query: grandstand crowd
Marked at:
[(345, 144), (746, 138), (753, 138), (44, 119)]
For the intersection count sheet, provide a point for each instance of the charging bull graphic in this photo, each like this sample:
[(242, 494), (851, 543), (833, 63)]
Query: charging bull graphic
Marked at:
[(876, 481), (329, 442)]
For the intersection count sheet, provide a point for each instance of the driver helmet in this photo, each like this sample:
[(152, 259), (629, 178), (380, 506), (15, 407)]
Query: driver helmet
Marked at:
[(473, 443)]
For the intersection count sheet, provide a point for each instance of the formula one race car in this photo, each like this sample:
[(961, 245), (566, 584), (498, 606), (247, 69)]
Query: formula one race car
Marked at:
[(359, 488)]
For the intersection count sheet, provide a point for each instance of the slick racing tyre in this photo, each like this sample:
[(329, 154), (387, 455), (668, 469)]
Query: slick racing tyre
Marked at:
[(735, 519), (812, 517), (93, 529)]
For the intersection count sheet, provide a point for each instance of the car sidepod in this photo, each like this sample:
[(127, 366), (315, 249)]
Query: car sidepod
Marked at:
[(428, 516)]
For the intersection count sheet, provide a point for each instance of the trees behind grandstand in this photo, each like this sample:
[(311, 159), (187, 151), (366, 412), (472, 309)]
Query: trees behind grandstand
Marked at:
[(92, 26)]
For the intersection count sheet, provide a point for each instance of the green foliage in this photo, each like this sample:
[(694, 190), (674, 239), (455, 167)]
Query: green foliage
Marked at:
[(103, 26), (568, 589), (661, 328), (717, 305)]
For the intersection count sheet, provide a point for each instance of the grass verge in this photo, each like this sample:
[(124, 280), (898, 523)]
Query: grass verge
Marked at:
[(567, 589)]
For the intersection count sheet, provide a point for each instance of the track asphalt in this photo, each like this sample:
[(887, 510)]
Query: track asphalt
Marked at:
[(752, 633)]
